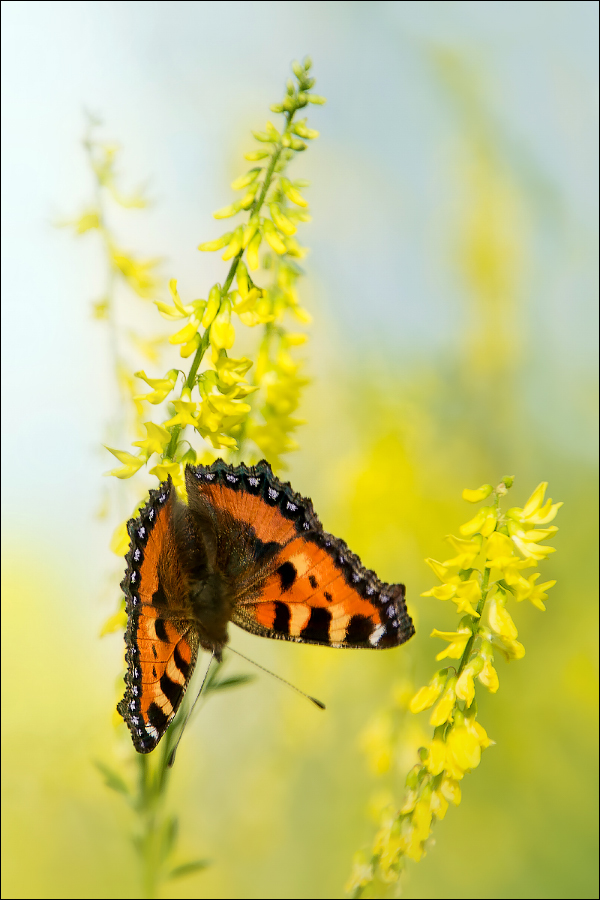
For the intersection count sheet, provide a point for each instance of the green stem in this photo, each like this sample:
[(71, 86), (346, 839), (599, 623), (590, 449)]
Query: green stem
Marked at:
[(467, 651)]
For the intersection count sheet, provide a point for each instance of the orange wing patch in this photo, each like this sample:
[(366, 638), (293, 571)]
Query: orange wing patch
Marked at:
[(162, 642), (318, 592)]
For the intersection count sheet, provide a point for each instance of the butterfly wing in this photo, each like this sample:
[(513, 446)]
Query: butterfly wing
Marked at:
[(293, 580), (161, 638)]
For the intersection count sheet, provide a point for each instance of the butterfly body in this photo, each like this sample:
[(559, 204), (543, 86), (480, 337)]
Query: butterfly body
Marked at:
[(245, 549)]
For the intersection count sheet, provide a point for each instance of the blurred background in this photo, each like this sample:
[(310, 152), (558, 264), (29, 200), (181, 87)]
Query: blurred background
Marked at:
[(453, 282)]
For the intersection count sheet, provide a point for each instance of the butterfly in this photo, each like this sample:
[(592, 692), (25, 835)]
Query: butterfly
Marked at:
[(245, 549)]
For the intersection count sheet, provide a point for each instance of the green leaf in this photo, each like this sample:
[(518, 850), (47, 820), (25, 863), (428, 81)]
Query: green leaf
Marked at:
[(226, 683), (112, 779), (189, 868)]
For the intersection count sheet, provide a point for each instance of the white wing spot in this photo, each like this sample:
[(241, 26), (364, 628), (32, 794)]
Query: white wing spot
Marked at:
[(273, 494), (137, 555), (209, 476), (377, 634), (151, 514), (370, 590), (142, 532), (355, 577), (254, 482), (291, 506), (231, 478), (133, 576)]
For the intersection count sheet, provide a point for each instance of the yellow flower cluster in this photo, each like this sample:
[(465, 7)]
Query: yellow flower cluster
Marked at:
[(217, 396), (486, 570)]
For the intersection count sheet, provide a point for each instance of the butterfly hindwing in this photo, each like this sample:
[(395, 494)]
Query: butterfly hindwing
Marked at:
[(318, 592), (298, 583), (162, 642)]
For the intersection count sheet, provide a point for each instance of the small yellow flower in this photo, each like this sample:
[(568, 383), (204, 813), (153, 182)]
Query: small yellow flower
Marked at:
[(450, 789), (444, 709), (436, 761), (130, 463), (166, 468), (467, 551), (426, 696), (489, 677), (157, 438), (465, 686), (439, 804), (535, 511), (457, 641), (185, 413), (500, 619), (474, 496), (162, 387), (483, 523), (464, 749)]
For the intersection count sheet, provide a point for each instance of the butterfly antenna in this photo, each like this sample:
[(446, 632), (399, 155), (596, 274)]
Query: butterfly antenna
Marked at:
[(279, 678), (187, 718)]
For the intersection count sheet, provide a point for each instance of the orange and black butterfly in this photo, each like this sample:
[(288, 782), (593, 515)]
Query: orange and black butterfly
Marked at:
[(245, 549)]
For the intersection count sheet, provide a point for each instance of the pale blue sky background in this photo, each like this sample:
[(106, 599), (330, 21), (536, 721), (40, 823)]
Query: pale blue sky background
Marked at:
[(180, 84)]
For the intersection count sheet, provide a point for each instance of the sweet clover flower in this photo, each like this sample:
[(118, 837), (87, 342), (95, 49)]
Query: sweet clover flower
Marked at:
[(482, 579)]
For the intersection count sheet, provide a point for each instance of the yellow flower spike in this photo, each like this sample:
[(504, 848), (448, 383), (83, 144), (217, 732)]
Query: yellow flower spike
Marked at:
[(252, 253), (467, 551), (410, 801), (439, 805), (235, 244), (157, 438), (457, 641), (187, 349), (117, 622), (291, 193), (436, 761), (444, 709), (162, 386), (285, 225), (119, 542), (166, 468), (130, 466), (426, 696), (185, 413), (499, 618), (450, 789), (212, 307), (272, 238), (218, 244), (474, 496)]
